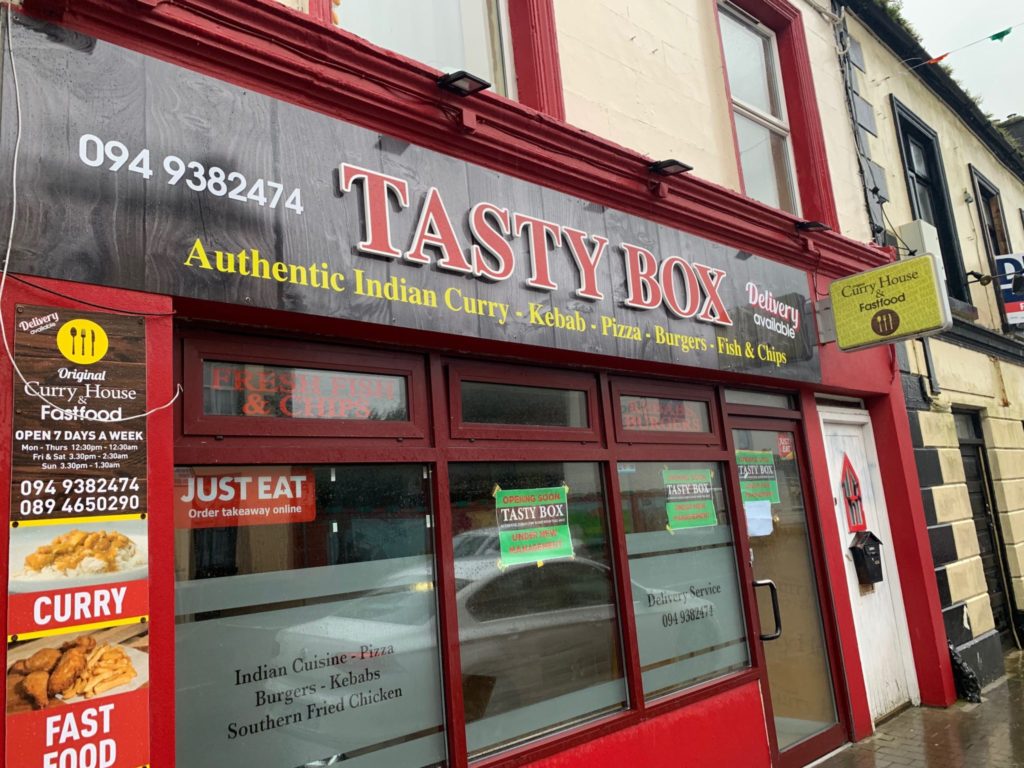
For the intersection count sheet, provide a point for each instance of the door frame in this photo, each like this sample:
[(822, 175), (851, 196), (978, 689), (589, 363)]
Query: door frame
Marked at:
[(819, 745), (856, 415)]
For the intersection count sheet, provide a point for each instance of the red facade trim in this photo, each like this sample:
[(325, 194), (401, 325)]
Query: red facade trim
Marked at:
[(331, 71), (535, 50)]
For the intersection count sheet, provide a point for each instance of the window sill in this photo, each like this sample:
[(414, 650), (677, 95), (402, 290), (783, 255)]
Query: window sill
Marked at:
[(963, 310)]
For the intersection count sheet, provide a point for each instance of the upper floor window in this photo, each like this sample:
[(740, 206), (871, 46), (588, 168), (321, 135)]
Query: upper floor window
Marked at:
[(448, 35), (990, 212), (759, 109), (928, 193)]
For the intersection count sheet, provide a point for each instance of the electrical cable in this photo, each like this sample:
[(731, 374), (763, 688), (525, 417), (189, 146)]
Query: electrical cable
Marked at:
[(29, 387)]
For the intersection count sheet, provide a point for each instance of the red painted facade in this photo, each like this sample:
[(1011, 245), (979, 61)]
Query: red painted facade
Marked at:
[(302, 59)]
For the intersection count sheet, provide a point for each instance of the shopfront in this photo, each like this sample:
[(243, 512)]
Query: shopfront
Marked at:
[(431, 459)]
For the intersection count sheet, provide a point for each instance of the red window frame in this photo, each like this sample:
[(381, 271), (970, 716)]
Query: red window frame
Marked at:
[(460, 371), (667, 391), (534, 52), (813, 180), (196, 350)]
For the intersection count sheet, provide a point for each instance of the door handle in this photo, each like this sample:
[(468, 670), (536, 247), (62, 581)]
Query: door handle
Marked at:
[(775, 608)]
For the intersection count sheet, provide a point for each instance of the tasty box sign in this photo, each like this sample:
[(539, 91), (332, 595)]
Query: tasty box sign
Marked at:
[(315, 215), (77, 587)]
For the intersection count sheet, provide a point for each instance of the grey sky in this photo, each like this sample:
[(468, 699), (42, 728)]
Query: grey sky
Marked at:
[(994, 72)]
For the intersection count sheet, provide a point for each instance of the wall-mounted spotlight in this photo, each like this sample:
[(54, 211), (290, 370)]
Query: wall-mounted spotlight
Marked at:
[(979, 278), (812, 226), (462, 83), (669, 167)]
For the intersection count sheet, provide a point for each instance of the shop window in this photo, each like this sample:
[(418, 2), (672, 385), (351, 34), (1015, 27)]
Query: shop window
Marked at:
[(929, 194), (759, 111), (306, 617), (538, 626), (448, 35), (648, 412), (686, 596), (275, 388), (990, 213), (554, 405)]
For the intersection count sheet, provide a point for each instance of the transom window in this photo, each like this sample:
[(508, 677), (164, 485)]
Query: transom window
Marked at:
[(759, 111)]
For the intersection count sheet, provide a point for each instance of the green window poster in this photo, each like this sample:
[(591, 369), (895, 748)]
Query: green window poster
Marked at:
[(688, 501), (758, 481), (533, 524)]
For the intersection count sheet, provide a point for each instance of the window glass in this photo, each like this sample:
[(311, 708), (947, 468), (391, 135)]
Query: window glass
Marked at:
[(448, 35), (686, 596), (538, 624), (271, 391), (662, 414), (919, 159), (306, 620), (748, 58), (764, 158), (761, 399), (490, 403), (925, 208)]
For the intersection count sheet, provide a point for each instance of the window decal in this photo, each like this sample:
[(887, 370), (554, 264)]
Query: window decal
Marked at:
[(688, 501), (533, 524)]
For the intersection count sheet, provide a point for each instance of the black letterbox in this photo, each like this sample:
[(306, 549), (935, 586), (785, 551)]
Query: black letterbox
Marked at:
[(867, 557)]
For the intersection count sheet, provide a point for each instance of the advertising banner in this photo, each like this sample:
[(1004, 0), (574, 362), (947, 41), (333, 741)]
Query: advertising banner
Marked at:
[(688, 498), (533, 524), (301, 212), (77, 586), (758, 481)]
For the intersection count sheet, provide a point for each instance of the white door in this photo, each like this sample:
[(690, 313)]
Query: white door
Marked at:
[(879, 616)]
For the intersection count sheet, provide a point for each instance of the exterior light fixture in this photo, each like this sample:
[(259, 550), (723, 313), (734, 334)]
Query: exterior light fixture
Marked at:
[(979, 278), (1016, 280), (669, 167), (812, 226), (462, 83)]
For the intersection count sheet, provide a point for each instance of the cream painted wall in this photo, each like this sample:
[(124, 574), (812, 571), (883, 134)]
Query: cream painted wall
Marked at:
[(959, 146), (648, 75)]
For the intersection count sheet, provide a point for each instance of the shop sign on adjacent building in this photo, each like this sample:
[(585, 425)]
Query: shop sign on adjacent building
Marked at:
[(903, 300), (293, 210), (1013, 301), (77, 586)]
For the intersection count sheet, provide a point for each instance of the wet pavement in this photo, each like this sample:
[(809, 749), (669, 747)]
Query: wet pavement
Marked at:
[(987, 735)]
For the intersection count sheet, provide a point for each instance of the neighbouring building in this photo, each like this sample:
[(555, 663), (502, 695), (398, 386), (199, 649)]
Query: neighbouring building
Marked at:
[(940, 178), (413, 384)]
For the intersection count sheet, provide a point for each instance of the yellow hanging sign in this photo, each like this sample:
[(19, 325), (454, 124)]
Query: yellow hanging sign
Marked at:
[(903, 300)]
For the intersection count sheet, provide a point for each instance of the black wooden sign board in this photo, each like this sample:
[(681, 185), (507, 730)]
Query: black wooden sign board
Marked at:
[(148, 176), (79, 434)]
